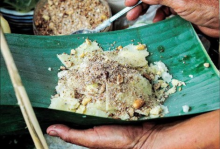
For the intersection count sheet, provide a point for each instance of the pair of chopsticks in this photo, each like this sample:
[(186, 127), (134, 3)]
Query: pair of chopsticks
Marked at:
[(23, 100)]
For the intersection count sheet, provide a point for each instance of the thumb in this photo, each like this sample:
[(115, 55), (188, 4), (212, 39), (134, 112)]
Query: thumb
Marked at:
[(162, 13), (69, 135), (59, 130), (93, 137)]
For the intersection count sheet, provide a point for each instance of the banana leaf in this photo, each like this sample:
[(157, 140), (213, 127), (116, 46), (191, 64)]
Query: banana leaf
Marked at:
[(183, 53)]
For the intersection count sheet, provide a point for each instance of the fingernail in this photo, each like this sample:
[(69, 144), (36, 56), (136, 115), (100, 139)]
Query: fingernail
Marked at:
[(53, 133)]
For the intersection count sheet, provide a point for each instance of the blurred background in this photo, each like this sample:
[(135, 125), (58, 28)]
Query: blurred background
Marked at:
[(19, 14)]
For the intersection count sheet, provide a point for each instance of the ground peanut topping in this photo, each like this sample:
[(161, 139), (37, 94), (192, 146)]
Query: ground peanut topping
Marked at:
[(58, 17)]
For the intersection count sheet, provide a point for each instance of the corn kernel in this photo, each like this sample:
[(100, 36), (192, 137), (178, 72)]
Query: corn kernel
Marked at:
[(119, 47), (140, 47), (88, 42), (82, 55), (138, 103), (86, 101)]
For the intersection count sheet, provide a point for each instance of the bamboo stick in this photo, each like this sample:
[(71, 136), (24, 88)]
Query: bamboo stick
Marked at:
[(23, 100)]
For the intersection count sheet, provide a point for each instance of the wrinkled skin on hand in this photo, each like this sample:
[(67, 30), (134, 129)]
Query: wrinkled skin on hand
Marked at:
[(198, 132), (204, 14)]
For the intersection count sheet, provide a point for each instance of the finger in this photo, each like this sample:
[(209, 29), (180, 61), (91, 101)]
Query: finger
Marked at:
[(150, 2), (172, 11), (130, 2), (159, 2), (208, 31), (134, 13), (79, 137), (144, 6), (162, 13)]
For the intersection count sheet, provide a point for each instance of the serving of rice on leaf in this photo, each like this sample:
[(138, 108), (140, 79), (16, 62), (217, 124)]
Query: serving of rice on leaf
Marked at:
[(118, 84)]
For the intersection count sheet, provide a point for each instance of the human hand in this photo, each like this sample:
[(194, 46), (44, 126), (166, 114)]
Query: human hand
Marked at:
[(113, 136), (204, 14), (197, 132)]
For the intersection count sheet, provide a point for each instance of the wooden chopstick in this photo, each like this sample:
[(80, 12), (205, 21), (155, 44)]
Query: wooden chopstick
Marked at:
[(23, 100)]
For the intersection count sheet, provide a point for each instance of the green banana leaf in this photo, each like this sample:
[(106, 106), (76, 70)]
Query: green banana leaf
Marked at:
[(35, 54)]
